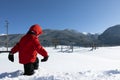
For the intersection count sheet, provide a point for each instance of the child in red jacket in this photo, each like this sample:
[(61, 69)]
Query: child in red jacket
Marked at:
[(28, 47)]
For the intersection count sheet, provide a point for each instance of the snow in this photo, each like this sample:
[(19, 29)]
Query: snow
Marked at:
[(2, 34), (81, 64), (85, 33)]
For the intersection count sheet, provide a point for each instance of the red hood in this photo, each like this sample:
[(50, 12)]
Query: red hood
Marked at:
[(36, 29)]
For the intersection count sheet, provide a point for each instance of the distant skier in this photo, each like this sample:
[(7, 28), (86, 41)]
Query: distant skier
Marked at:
[(28, 47)]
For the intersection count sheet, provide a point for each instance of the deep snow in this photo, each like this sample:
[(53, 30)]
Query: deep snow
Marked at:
[(83, 64)]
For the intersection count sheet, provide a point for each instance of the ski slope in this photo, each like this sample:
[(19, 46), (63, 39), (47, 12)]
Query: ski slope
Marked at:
[(82, 64)]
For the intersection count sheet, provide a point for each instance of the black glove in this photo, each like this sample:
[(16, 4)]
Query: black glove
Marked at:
[(44, 59), (11, 57)]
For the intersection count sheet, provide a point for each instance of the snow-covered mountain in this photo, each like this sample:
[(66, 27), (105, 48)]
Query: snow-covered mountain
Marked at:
[(81, 64)]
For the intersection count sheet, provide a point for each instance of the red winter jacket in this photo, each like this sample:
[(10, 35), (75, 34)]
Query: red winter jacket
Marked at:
[(29, 46)]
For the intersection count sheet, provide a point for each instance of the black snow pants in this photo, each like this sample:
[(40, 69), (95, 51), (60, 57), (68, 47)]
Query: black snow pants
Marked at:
[(30, 67)]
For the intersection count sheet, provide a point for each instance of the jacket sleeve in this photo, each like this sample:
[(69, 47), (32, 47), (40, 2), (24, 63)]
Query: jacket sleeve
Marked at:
[(15, 48), (39, 48)]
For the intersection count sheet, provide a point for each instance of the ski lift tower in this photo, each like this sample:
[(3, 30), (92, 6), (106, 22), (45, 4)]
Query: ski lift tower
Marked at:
[(6, 38), (6, 33)]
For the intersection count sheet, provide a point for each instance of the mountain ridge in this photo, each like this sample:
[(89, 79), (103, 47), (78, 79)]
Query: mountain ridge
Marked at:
[(110, 37), (48, 38)]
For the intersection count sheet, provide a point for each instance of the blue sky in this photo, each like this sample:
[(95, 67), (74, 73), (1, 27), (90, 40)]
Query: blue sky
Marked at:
[(93, 16)]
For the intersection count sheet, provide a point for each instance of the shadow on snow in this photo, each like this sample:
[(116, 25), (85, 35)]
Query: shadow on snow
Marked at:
[(111, 72), (11, 74)]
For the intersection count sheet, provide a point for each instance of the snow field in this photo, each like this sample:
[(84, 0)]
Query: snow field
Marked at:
[(83, 64)]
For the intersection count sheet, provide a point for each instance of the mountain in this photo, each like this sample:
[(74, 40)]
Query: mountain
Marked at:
[(66, 37), (12, 39), (111, 36), (55, 37)]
